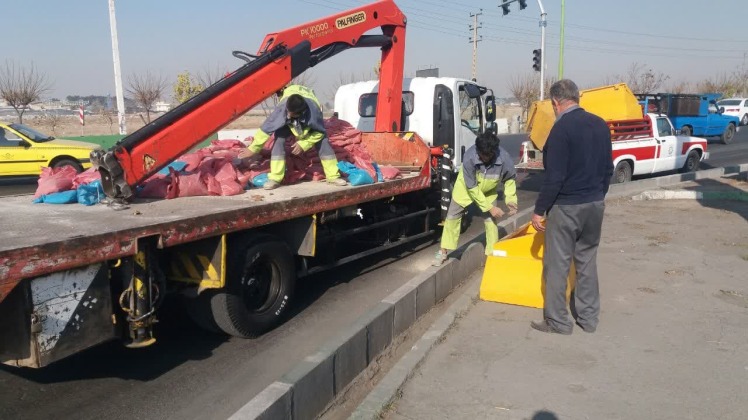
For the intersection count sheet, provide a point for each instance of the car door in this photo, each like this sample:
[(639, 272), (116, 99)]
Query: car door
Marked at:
[(17, 156), (714, 120), (668, 150)]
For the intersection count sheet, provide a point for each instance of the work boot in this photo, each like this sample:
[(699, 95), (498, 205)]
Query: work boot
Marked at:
[(271, 185), (439, 258), (544, 326), (339, 182)]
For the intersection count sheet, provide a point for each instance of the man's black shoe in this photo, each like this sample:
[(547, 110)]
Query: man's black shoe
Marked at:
[(543, 326)]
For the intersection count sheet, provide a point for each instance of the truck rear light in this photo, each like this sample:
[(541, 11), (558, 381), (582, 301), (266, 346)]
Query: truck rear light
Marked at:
[(522, 149)]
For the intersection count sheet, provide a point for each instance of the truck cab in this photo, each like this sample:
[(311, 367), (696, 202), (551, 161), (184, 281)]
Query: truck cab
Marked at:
[(444, 111)]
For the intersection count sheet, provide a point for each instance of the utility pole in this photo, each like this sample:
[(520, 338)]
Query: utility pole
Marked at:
[(543, 24), (117, 71), (561, 49), (474, 27)]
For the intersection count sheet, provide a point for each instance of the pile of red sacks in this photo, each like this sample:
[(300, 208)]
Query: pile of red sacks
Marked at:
[(212, 170)]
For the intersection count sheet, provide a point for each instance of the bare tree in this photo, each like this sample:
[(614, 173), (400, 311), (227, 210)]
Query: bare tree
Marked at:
[(146, 89), (680, 87), (526, 88), (642, 80), (727, 85), (50, 120), (207, 76), (109, 117), (20, 86)]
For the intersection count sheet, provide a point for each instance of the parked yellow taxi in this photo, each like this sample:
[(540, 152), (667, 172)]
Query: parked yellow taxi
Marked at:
[(24, 151)]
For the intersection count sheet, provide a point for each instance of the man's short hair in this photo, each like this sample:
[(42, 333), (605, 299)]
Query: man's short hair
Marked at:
[(487, 143), (296, 104), (565, 89)]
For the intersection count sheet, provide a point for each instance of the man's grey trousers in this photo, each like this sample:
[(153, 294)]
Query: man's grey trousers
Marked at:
[(572, 231)]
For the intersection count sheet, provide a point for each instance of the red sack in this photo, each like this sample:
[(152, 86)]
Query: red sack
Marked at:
[(86, 177), (54, 180), (390, 172)]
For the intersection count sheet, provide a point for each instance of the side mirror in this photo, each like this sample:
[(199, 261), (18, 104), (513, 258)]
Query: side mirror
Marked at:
[(491, 109), (24, 144), (721, 110)]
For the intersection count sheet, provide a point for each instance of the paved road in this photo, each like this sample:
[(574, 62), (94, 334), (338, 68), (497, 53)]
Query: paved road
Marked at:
[(193, 374)]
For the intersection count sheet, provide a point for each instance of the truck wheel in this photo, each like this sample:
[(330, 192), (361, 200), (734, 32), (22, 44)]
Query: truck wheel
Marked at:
[(199, 310), (744, 120), (68, 162), (260, 284), (686, 131), (728, 134), (692, 162), (622, 172)]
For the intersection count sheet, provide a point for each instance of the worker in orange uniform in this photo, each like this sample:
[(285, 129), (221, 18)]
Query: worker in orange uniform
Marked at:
[(298, 113)]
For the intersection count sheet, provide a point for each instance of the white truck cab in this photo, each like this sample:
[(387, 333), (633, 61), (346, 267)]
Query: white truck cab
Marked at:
[(442, 110)]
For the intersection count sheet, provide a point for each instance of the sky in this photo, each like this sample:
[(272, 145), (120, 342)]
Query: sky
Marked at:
[(70, 42)]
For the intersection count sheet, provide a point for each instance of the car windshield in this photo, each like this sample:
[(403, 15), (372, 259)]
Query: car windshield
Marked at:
[(729, 102), (31, 133)]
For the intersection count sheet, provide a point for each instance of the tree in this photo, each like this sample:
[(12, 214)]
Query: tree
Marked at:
[(207, 77), (146, 89), (643, 81), (526, 88), (20, 86), (51, 120), (107, 116), (185, 87)]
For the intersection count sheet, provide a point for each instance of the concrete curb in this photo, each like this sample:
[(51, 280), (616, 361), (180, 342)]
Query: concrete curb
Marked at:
[(308, 388), (386, 391), (691, 195)]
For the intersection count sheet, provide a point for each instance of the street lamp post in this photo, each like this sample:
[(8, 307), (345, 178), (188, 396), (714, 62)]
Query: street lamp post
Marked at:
[(543, 24), (117, 71)]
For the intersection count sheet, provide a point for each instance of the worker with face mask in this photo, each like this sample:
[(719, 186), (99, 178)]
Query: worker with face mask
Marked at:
[(486, 170), (298, 113)]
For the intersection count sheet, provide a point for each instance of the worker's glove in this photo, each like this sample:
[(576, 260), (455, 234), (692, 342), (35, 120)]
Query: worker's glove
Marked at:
[(496, 212), (512, 209), (296, 149)]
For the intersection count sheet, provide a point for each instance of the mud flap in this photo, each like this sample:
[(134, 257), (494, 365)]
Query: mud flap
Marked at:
[(54, 316)]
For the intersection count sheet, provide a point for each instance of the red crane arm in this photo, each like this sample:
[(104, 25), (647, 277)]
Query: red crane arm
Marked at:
[(282, 56)]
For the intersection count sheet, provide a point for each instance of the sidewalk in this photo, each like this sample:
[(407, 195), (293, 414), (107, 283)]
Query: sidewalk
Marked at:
[(672, 342)]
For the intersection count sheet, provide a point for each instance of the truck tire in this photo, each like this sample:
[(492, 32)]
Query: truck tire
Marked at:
[(744, 120), (199, 310), (686, 131), (622, 173), (728, 134), (692, 162), (68, 162), (260, 281)]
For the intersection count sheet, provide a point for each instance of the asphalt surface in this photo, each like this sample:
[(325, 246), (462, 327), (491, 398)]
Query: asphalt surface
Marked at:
[(189, 373)]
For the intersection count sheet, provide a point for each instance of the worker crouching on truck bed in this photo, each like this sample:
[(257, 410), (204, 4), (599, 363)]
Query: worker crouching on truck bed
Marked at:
[(298, 113), (486, 168)]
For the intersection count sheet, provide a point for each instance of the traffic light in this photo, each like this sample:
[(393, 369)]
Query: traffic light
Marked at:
[(522, 4), (536, 54), (505, 7)]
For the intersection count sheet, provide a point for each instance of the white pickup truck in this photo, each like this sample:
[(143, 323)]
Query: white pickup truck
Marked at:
[(640, 147)]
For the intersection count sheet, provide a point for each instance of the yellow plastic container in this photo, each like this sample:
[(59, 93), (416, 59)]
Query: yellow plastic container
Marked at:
[(611, 103), (514, 273)]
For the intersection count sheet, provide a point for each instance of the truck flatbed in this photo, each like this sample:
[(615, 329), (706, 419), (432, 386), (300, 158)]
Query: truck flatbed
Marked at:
[(43, 238)]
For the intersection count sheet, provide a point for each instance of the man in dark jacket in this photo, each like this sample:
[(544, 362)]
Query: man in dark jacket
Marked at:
[(578, 166)]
